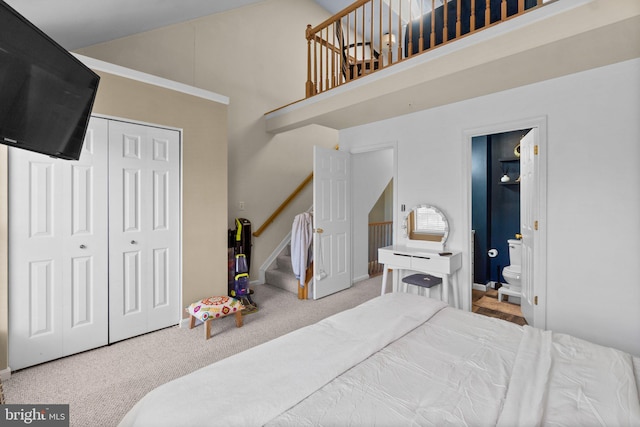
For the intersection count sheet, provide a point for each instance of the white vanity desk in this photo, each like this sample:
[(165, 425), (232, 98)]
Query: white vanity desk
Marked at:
[(398, 257)]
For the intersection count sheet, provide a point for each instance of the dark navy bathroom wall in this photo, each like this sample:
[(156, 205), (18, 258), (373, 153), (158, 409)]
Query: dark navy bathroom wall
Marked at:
[(480, 152), (495, 204)]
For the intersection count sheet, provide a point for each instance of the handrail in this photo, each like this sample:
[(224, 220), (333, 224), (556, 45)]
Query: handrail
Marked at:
[(370, 35), (284, 204), (344, 12)]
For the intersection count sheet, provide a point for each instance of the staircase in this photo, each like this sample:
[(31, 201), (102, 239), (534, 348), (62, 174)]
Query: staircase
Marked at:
[(281, 273)]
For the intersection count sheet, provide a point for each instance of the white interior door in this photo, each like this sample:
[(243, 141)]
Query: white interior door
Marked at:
[(144, 185), (528, 219), (332, 221), (58, 245)]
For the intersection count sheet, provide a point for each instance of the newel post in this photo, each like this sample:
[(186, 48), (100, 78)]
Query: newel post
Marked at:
[(309, 87)]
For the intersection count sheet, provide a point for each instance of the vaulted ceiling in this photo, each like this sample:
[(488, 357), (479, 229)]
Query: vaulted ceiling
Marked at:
[(79, 23)]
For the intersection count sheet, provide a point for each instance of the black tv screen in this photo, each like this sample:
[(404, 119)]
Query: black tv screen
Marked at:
[(46, 94)]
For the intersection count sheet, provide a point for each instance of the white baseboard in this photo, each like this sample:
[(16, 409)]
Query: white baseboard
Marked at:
[(184, 323), (479, 287), (361, 278), (271, 259), (5, 374), (492, 284)]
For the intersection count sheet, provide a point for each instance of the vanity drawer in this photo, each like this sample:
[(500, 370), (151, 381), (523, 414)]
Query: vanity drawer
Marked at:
[(395, 259), (436, 264)]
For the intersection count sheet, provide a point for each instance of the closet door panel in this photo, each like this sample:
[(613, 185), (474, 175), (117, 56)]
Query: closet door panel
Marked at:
[(85, 245), (131, 200), (164, 236), (161, 283), (41, 299), (85, 226), (144, 210), (41, 197), (81, 291), (82, 193), (58, 246), (127, 247), (35, 281), (131, 286)]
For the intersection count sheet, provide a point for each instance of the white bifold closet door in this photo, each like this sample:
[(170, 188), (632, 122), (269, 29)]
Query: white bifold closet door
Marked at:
[(94, 244), (58, 252), (144, 211)]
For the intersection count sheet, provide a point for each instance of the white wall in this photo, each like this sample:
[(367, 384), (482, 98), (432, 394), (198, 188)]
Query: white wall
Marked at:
[(593, 189), (371, 172), (255, 55)]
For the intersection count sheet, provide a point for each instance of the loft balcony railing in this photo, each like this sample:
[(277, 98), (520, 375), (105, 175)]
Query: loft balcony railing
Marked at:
[(380, 235), (371, 35)]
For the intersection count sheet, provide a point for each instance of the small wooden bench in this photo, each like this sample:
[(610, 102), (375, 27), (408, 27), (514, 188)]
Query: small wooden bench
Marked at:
[(214, 308)]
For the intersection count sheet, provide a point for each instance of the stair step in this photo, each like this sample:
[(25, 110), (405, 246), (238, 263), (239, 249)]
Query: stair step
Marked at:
[(282, 279), (284, 263)]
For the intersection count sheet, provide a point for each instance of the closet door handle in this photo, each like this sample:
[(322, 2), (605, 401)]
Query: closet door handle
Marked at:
[(83, 247), (133, 242)]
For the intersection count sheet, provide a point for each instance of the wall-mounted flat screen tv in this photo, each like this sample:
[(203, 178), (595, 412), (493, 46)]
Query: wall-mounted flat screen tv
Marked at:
[(46, 94)]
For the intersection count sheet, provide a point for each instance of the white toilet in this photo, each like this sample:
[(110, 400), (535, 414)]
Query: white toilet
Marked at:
[(511, 273)]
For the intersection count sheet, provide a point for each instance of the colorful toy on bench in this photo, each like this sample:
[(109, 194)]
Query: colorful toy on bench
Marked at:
[(214, 308)]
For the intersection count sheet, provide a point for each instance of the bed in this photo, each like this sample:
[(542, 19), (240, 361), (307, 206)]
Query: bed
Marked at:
[(405, 359)]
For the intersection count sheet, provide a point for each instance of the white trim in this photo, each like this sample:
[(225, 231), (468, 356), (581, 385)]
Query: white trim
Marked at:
[(360, 279), (181, 199), (181, 302), (479, 287), (270, 261), (118, 70), (184, 323), (5, 374), (138, 122), (492, 284), (540, 247)]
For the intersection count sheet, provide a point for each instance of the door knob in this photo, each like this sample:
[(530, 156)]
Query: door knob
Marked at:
[(133, 242), (83, 247)]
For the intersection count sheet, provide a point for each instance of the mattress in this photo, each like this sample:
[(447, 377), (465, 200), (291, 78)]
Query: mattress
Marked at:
[(404, 359)]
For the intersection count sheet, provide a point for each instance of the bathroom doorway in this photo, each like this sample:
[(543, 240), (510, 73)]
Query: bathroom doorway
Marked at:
[(497, 178), (495, 200)]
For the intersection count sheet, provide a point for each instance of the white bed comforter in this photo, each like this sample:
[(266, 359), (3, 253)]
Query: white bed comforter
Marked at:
[(402, 359)]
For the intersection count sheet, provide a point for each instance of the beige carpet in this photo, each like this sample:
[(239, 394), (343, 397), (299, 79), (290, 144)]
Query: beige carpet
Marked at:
[(101, 385)]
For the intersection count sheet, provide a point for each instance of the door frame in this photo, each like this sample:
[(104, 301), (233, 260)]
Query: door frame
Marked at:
[(393, 146), (540, 246)]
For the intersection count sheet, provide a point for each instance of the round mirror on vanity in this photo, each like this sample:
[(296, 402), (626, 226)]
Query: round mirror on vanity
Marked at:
[(426, 225)]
